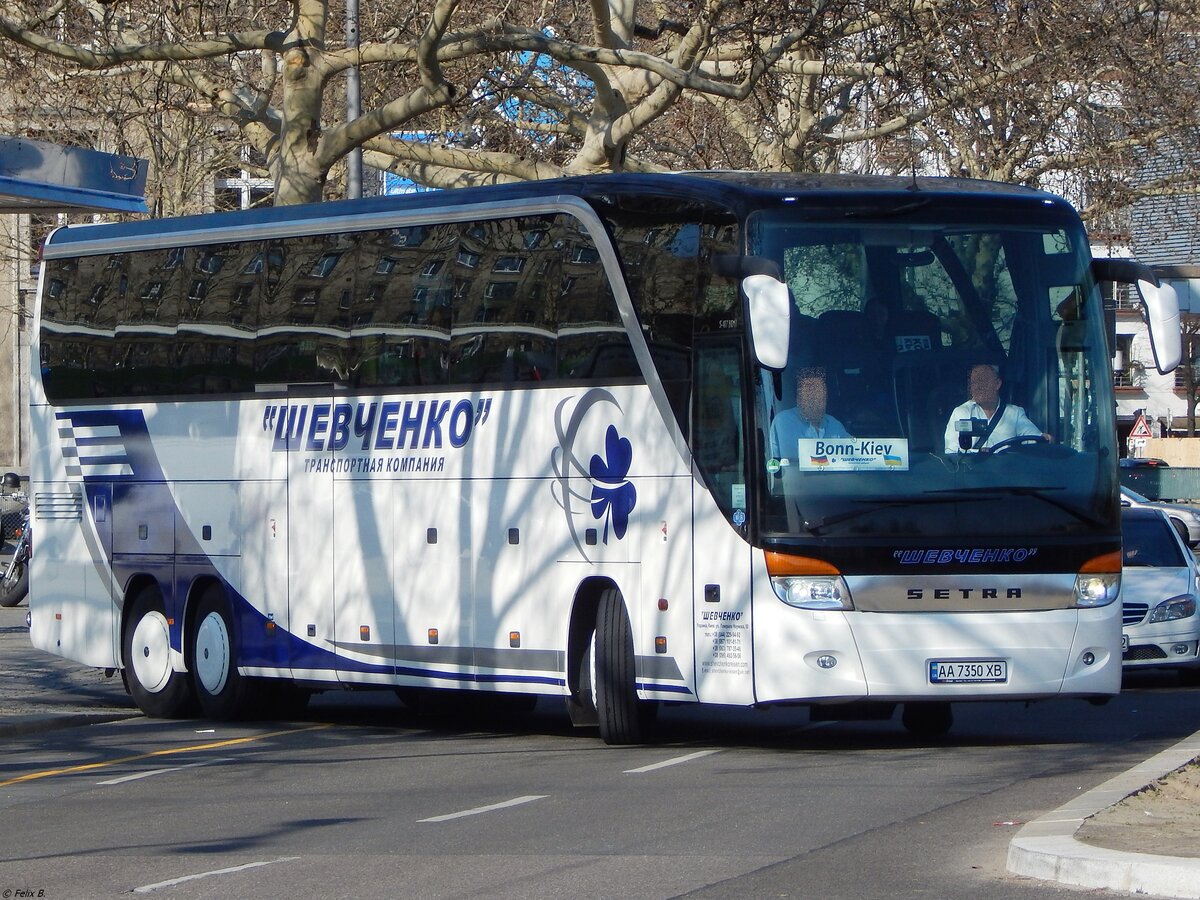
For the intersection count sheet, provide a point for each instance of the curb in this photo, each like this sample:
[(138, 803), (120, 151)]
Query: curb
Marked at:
[(23, 725), (1046, 847)]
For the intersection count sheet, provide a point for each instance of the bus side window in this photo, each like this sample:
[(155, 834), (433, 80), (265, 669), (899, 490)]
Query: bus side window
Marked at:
[(717, 434)]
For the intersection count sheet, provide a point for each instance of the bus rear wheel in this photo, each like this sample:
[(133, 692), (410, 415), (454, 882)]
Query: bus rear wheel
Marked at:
[(623, 719), (157, 689), (223, 692)]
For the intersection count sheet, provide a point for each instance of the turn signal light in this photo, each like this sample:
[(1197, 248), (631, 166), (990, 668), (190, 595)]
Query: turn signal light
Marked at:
[(787, 564)]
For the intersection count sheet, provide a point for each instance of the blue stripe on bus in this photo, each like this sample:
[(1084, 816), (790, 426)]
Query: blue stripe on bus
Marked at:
[(259, 644), (664, 688)]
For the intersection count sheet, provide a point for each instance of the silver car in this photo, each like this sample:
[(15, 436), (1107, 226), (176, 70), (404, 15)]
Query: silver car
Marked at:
[(1159, 587), (1186, 516)]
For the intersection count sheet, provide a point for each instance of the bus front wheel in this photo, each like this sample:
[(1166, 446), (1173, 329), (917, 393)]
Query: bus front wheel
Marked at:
[(157, 689), (623, 719), (223, 693)]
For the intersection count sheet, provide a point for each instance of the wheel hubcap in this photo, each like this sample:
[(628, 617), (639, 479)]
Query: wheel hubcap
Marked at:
[(152, 652), (212, 653)]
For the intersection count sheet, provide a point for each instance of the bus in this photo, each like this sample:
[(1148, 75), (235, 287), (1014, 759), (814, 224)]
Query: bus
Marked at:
[(523, 440)]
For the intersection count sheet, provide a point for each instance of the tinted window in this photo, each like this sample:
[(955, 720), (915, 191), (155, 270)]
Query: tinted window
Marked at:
[(664, 247), (520, 300), (1149, 541)]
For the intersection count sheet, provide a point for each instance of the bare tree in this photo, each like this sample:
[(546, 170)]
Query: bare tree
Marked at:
[(1082, 119), (459, 94)]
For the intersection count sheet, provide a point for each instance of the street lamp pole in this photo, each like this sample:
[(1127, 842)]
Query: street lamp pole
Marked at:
[(354, 160)]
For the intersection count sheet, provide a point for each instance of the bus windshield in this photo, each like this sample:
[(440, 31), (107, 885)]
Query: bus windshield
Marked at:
[(947, 377)]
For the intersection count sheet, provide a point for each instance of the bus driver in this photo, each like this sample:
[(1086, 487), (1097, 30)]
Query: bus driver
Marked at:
[(985, 420)]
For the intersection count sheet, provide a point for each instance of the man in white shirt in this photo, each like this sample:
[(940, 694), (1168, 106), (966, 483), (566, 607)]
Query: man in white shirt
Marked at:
[(984, 421), (807, 419)]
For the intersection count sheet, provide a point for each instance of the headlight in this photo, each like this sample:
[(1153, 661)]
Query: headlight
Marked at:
[(808, 592), (1176, 608), (1096, 589)]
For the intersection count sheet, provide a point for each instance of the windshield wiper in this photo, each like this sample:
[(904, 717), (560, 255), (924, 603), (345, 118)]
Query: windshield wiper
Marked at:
[(875, 503), (1041, 493), (950, 495)]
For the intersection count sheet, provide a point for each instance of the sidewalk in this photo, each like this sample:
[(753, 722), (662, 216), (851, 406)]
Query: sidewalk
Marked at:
[(39, 692), (1047, 847)]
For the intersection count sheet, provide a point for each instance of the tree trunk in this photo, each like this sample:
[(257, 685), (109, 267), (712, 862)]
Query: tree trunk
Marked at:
[(296, 163)]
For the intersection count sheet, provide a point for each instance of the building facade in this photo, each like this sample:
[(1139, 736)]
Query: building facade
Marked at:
[(1165, 236)]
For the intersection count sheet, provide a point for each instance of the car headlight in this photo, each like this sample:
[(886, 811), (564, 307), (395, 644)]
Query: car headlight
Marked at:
[(1096, 589), (1176, 608), (812, 592)]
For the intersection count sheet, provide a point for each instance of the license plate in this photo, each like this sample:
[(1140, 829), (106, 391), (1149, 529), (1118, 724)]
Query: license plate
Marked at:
[(1124, 642), (968, 671)]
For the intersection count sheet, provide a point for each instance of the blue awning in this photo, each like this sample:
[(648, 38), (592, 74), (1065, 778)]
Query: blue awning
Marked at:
[(36, 176)]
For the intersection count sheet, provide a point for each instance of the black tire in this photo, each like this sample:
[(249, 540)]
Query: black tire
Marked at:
[(15, 585), (158, 690), (223, 692), (623, 720), (928, 720), (581, 706)]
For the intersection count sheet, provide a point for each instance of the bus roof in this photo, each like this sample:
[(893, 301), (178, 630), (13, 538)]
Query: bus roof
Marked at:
[(737, 189)]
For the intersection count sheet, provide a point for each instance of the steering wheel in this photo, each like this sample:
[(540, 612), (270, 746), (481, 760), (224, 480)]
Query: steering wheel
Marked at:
[(1001, 446)]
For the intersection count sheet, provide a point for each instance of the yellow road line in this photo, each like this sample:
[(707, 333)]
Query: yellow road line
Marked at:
[(214, 745)]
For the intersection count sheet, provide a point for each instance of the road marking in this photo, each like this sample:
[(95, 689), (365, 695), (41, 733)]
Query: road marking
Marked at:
[(517, 801), (139, 775), (155, 754), (148, 888), (674, 761)]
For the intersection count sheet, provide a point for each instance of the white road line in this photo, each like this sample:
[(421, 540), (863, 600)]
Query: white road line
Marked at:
[(516, 801), (674, 761), (148, 888), (138, 775)]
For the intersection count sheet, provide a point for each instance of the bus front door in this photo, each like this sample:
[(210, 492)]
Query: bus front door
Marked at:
[(721, 608)]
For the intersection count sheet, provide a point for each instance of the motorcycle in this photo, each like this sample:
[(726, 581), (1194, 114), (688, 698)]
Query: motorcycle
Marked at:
[(14, 584)]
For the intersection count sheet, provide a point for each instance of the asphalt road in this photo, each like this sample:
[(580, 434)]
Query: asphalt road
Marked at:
[(364, 798)]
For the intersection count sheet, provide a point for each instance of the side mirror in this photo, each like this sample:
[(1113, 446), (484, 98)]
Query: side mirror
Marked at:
[(1158, 300), (1162, 317), (768, 308)]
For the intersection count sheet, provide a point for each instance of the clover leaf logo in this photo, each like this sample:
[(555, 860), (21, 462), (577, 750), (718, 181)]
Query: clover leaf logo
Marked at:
[(613, 496)]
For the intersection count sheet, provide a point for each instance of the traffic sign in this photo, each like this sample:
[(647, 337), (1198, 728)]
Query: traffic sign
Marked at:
[(1140, 428)]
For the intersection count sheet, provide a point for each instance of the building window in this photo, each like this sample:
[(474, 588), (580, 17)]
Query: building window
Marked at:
[(1124, 299), (242, 188), (325, 265), (509, 264), (584, 255), (1124, 371)]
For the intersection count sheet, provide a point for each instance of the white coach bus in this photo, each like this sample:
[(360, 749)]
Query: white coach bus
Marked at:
[(524, 440)]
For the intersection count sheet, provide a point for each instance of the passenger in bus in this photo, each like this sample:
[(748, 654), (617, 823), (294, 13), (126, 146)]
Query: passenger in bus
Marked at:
[(807, 419), (985, 420)]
